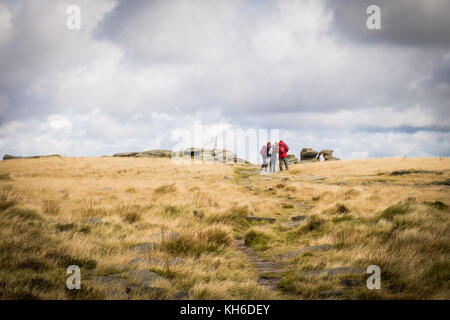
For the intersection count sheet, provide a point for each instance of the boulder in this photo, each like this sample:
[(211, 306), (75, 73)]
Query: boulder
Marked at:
[(308, 154), (93, 220), (292, 159), (225, 156), (149, 262), (327, 155), (334, 272), (299, 218)]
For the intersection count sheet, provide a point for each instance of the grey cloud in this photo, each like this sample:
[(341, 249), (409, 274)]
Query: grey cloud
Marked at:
[(404, 22), (249, 64)]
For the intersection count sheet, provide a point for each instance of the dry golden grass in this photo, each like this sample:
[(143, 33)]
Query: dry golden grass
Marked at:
[(398, 221)]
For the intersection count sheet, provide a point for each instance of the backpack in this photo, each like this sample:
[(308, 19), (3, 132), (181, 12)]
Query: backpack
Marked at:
[(263, 150)]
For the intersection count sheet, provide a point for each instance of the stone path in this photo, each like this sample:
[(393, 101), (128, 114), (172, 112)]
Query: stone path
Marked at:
[(268, 270)]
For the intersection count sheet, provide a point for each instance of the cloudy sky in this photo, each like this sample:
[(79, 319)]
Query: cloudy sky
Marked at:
[(138, 71)]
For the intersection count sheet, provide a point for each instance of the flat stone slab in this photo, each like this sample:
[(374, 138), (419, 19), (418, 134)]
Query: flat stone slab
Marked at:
[(144, 247), (252, 218), (165, 236), (293, 223), (299, 217), (144, 278), (322, 247), (345, 270), (93, 220), (182, 295), (334, 272), (157, 262), (138, 281), (110, 280)]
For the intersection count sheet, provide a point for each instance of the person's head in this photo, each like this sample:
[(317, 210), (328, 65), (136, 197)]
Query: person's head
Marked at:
[(269, 144)]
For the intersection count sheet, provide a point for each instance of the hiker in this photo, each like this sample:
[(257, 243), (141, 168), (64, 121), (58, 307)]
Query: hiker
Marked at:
[(282, 151), (269, 151), (265, 159), (273, 158)]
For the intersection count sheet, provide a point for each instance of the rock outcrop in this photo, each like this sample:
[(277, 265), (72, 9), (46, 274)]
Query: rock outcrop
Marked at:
[(308, 154), (327, 155), (210, 155), (292, 159), (146, 154), (10, 157)]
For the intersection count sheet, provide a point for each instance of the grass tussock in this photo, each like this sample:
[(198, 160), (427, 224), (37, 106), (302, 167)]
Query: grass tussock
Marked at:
[(389, 213), (8, 198), (52, 207), (5, 176), (23, 214), (210, 240), (313, 223), (257, 240), (92, 208), (166, 188), (234, 216), (439, 205), (130, 213)]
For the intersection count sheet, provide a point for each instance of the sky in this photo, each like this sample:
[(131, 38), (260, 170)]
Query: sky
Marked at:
[(137, 72)]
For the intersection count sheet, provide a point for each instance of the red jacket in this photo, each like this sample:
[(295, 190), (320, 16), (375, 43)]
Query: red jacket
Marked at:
[(282, 149)]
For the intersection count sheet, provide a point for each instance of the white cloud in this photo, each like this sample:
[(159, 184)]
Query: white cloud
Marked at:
[(139, 70)]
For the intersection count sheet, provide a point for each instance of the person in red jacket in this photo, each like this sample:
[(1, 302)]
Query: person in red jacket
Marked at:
[(282, 151)]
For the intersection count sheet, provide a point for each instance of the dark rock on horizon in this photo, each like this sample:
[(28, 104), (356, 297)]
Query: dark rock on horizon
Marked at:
[(10, 157)]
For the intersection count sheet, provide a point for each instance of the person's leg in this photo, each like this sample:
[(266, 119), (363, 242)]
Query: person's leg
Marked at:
[(286, 163), (281, 164)]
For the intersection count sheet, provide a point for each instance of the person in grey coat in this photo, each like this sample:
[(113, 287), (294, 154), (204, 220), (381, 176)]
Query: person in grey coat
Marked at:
[(273, 157)]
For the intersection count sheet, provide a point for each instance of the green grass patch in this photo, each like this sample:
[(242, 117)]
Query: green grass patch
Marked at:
[(342, 219), (257, 240), (389, 213), (439, 205)]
